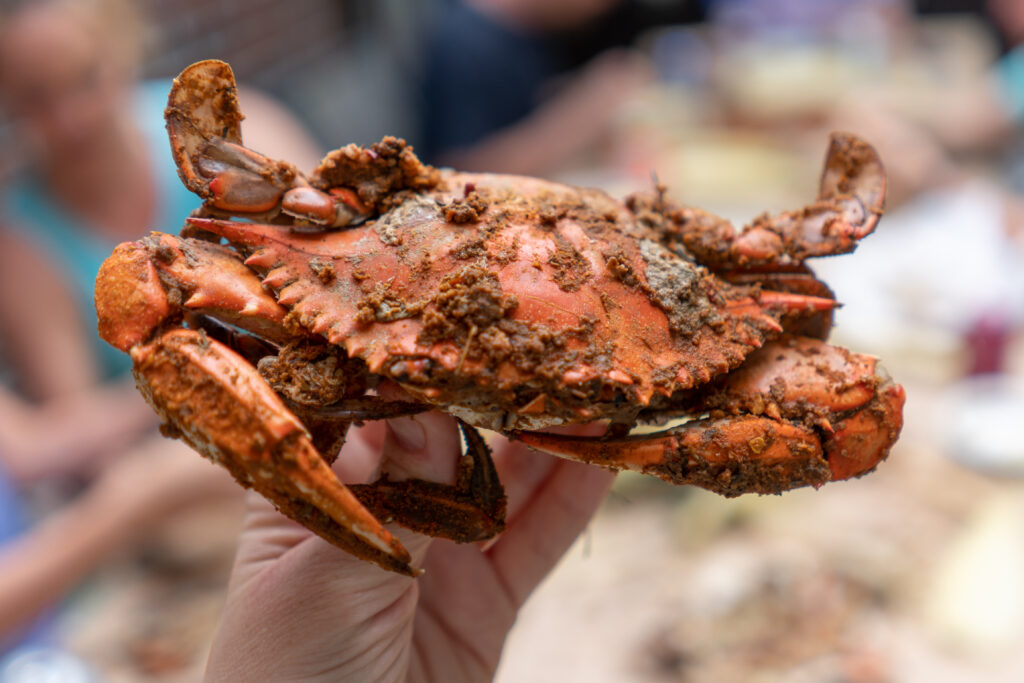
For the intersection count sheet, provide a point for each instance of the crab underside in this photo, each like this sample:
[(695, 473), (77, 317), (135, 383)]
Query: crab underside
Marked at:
[(511, 303)]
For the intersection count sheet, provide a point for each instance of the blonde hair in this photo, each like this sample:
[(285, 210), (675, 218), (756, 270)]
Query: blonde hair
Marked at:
[(118, 25)]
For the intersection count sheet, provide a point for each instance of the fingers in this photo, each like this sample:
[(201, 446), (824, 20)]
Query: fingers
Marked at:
[(550, 501), (360, 458), (425, 446), (547, 525), (521, 470)]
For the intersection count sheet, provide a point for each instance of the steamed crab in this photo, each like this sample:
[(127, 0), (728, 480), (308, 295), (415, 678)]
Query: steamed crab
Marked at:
[(511, 303)]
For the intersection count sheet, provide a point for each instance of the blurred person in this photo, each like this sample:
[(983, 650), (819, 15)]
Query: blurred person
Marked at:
[(65, 433), (983, 114), (299, 608), (523, 86), (97, 171), (922, 134), (41, 563), (993, 110)]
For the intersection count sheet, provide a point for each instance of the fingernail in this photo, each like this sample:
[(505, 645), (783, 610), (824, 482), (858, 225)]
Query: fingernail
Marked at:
[(409, 434)]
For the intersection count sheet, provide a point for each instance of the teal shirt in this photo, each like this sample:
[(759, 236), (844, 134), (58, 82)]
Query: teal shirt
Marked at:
[(76, 249), (1010, 72)]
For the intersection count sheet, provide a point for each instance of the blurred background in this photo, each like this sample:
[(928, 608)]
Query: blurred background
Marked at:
[(114, 550)]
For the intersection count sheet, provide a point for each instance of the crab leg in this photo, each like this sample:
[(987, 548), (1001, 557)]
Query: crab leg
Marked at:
[(359, 409), (473, 509), (850, 202), (799, 412), (811, 321), (727, 456), (204, 125), (218, 403)]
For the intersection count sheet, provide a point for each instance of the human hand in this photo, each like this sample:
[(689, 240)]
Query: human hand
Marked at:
[(300, 609), (611, 78), (139, 489), (154, 479)]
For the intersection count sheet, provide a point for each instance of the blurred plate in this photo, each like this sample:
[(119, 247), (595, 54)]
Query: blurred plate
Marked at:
[(985, 430)]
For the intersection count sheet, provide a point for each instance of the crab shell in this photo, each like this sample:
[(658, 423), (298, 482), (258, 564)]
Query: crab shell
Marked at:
[(511, 302)]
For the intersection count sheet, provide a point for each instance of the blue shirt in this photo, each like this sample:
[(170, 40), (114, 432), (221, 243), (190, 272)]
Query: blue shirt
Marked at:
[(77, 250), (478, 77), (1010, 72), (13, 523)]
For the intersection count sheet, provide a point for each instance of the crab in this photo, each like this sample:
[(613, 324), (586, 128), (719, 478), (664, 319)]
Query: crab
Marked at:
[(290, 303)]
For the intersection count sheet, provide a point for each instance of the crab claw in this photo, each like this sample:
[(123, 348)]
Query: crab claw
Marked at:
[(204, 126), (850, 202), (851, 199), (798, 413), (847, 397), (235, 419)]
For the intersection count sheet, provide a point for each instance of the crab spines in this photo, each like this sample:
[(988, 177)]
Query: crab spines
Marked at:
[(814, 320), (235, 419), (145, 284), (769, 306)]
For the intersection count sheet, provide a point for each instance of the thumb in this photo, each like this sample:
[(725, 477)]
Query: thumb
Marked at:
[(292, 591)]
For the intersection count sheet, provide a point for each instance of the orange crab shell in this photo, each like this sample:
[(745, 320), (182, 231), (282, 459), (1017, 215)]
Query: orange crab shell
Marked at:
[(497, 283)]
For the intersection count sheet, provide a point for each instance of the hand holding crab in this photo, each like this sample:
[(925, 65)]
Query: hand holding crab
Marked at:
[(300, 609), (511, 303)]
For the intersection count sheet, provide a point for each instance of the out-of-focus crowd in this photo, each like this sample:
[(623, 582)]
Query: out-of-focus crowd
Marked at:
[(726, 100)]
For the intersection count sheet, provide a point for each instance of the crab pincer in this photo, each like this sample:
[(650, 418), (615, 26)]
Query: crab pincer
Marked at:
[(851, 199), (235, 419), (204, 126), (218, 402)]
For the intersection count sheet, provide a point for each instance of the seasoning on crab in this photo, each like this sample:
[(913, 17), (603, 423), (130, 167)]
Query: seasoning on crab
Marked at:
[(511, 303)]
